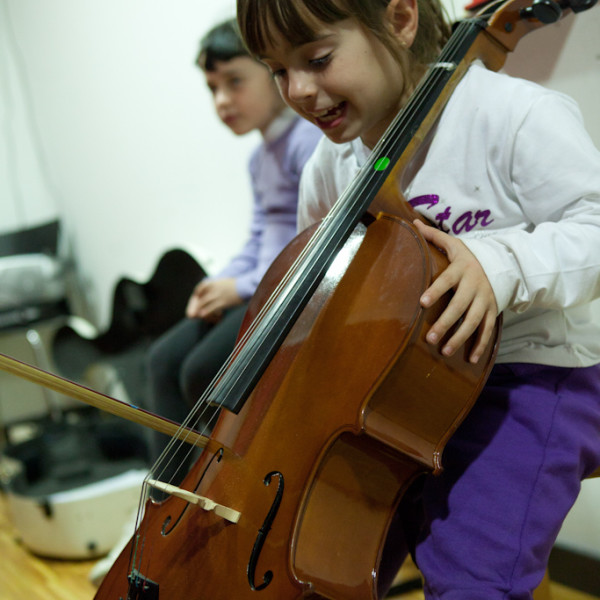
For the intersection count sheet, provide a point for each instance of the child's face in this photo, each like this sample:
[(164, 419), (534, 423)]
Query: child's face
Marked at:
[(345, 81), (244, 95)]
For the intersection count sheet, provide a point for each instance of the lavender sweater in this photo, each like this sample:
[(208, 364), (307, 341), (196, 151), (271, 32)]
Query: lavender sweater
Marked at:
[(275, 168)]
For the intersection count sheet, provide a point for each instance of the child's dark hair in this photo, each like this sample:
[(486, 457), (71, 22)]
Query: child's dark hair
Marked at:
[(297, 23), (222, 43)]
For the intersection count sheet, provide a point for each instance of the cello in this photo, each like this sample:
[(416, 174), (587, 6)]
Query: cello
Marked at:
[(306, 460), (295, 494)]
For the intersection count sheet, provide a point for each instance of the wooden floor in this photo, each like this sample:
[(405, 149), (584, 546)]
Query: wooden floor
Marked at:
[(558, 592), (27, 577)]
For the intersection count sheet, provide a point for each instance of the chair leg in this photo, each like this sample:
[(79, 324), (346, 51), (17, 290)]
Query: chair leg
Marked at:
[(543, 591)]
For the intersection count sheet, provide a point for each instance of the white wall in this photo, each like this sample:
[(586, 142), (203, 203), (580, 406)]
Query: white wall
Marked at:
[(136, 161), (106, 122)]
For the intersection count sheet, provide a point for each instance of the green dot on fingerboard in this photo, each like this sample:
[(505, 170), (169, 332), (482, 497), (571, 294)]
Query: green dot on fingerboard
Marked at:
[(382, 164)]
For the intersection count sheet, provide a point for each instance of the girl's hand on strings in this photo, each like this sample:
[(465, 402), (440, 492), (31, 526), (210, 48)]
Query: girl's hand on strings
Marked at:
[(210, 298), (473, 300)]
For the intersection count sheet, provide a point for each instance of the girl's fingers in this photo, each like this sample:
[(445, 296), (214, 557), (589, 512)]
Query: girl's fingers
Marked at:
[(479, 321), (465, 330), (444, 283), (452, 314), (432, 234), (450, 277), (485, 334), (473, 305)]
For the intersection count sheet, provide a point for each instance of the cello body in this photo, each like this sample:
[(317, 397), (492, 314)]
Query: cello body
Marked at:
[(353, 407)]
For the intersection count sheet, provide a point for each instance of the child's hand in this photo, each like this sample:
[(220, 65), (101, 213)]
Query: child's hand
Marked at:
[(473, 298), (210, 298)]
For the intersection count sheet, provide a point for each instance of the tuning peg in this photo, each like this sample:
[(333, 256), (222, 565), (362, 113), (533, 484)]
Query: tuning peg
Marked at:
[(546, 11), (580, 5)]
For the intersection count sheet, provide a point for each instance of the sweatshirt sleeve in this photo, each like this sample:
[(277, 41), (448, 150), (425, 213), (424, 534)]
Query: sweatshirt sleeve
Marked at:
[(554, 262)]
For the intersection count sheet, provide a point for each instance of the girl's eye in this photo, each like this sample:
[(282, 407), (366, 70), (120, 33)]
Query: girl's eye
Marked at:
[(321, 61), (278, 73)]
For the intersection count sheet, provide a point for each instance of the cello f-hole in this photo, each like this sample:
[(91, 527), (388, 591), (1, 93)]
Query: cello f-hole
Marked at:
[(166, 530), (262, 535)]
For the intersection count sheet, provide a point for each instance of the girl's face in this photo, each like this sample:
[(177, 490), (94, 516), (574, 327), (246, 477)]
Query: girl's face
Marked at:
[(244, 95), (345, 81)]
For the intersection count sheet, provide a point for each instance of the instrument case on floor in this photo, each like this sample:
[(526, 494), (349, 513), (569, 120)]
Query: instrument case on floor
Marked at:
[(75, 486)]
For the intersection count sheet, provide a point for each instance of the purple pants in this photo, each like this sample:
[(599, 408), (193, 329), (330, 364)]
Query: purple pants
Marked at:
[(512, 472)]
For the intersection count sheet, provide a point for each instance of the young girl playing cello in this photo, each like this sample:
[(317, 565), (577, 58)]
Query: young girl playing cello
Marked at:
[(511, 182)]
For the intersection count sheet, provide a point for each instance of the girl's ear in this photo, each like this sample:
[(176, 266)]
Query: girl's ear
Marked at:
[(403, 19)]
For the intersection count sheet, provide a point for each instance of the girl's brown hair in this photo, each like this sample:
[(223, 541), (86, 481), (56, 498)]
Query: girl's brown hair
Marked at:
[(297, 22)]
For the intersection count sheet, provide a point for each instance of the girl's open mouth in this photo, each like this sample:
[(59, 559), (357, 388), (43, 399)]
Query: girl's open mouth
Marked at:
[(332, 117)]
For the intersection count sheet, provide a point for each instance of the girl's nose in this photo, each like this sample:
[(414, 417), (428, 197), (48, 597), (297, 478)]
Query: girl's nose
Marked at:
[(301, 86)]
